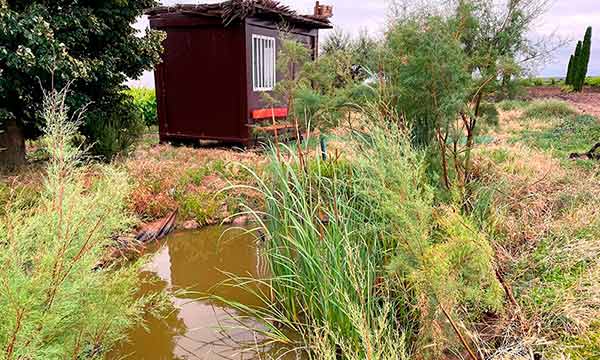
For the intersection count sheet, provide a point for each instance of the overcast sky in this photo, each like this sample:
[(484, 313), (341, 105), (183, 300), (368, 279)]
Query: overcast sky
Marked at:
[(566, 18)]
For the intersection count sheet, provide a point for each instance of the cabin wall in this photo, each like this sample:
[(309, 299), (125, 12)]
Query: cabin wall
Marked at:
[(309, 37), (201, 87)]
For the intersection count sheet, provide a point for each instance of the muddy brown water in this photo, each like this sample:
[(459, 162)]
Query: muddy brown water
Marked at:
[(197, 262)]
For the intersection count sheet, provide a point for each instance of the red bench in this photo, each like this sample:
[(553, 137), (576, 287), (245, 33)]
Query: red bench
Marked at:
[(262, 116)]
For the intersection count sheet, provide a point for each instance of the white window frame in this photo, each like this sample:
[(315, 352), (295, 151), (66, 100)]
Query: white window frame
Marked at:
[(264, 62)]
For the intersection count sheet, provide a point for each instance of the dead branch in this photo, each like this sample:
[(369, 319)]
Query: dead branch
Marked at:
[(593, 154)]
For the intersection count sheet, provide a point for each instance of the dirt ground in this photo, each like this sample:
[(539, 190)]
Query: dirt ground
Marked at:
[(588, 102)]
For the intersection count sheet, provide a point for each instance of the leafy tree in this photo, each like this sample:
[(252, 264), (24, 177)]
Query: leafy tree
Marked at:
[(338, 40), (90, 45), (318, 93), (363, 50), (443, 61), (430, 93)]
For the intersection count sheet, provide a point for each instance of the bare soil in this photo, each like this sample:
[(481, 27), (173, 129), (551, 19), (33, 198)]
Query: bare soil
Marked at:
[(587, 102)]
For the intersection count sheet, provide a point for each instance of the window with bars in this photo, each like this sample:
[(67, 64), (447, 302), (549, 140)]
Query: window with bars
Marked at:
[(264, 62)]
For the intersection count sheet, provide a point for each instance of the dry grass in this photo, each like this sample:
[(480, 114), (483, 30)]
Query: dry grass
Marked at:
[(164, 178), (167, 177), (543, 216)]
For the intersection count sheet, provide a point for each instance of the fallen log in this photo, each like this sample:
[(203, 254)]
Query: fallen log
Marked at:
[(130, 247), (158, 229), (593, 154)]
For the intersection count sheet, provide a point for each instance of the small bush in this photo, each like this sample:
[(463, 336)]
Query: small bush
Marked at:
[(547, 109), (145, 100), (489, 114), (116, 134), (593, 81), (202, 207), (195, 176)]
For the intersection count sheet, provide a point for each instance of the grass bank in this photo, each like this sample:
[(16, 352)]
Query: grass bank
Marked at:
[(540, 209)]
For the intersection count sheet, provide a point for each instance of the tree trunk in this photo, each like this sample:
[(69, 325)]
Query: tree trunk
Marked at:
[(12, 146)]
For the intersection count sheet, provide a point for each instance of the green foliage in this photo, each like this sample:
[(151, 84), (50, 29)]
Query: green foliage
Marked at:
[(340, 261), (430, 93), (583, 61), (440, 100), (115, 130), (92, 47), (291, 58), (548, 109), (593, 81), (489, 113), (568, 134), (145, 100), (364, 51), (569, 79), (509, 105), (319, 93), (54, 305), (337, 41), (536, 81), (360, 236), (199, 206)]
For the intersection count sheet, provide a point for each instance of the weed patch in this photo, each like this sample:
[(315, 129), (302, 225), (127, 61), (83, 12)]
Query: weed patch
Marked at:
[(548, 109), (509, 105), (165, 178), (565, 136)]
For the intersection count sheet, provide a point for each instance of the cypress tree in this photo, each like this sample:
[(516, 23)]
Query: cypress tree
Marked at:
[(575, 66), (569, 78), (584, 60)]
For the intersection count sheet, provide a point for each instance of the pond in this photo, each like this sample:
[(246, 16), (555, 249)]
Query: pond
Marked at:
[(198, 261)]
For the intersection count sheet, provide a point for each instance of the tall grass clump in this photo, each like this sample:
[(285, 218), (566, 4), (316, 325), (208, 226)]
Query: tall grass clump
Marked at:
[(54, 305), (329, 240), (358, 266)]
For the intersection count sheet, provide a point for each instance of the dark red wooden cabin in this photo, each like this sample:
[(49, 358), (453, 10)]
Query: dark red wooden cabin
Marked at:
[(218, 60)]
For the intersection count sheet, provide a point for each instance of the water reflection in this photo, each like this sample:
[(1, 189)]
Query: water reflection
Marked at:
[(197, 261)]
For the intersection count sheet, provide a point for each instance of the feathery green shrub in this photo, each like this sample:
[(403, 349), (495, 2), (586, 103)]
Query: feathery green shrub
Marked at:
[(54, 305), (116, 131)]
